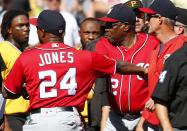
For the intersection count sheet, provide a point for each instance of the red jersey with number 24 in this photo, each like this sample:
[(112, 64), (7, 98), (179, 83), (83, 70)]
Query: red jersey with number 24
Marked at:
[(57, 75)]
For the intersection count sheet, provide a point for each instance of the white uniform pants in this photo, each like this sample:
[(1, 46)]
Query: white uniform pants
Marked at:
[(52, 119)]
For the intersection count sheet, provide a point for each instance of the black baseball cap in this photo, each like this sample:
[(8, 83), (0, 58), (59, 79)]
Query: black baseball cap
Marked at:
[(120, 12), (134, 4), (50, 21), (182, 15), (163, 7)]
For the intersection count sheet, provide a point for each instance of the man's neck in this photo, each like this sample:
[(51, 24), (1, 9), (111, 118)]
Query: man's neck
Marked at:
[(130, 40), (13, 42), (20, 46), (54, 40), (165, 35)]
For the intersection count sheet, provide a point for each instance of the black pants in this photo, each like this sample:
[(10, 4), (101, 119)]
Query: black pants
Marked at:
[(147, 125), (16, 121)]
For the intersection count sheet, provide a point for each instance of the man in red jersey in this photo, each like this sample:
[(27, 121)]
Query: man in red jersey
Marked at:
[(58, 77), (161, 20), (127, 95)]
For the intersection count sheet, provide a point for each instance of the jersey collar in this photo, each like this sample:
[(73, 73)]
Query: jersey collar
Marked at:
[(52, 46)]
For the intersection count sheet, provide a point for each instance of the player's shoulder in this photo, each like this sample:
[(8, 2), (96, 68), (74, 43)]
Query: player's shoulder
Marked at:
[(181, 52), (83, 52), (5, 44), (28, 53), (151, 40), (148, 37), (86, 53), (103, 42), (179, 56), (8, 49)]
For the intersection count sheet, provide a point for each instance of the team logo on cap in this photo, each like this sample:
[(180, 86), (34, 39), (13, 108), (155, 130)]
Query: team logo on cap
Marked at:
[(134, 4), (60, 31)]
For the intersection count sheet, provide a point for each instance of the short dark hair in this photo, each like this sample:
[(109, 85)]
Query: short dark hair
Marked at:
[(7, 20), (92, 19)]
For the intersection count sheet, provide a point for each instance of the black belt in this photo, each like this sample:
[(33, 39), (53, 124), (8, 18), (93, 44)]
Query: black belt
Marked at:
[(59, 108), (130, 116)]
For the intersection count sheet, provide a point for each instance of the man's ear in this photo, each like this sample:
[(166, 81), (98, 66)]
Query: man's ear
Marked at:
[(181, 29), (63, 34), (9, 31), (41, 32), (125, 27), (161, 20)]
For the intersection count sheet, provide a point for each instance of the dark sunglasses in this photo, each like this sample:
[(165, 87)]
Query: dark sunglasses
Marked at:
[(109, 25), (148, 17), (140, 15)]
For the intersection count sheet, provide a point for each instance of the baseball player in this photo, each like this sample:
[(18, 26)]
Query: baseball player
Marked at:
[(161, 17), (15, 31), (127, 95), (58, 77)]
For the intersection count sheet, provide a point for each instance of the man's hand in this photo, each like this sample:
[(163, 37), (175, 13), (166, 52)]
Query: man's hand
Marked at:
[(127, 68), (150, 105)]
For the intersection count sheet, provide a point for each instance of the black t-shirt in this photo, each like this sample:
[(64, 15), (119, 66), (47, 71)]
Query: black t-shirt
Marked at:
[(100, 97), (171, 89)]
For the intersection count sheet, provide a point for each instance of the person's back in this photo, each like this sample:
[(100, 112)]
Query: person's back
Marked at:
[(57, 67)]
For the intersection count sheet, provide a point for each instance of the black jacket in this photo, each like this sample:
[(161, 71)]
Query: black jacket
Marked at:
[(171, 89)]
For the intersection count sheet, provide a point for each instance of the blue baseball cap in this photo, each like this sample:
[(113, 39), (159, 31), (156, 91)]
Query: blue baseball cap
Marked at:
[(182, 15), (120, 13), (163, 7), (50, 21)]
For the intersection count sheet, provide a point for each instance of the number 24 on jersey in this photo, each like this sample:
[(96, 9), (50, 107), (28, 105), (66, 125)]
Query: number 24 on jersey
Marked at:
[(64, 85)]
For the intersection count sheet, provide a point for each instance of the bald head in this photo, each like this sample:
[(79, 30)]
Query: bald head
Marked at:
[(90, 29)]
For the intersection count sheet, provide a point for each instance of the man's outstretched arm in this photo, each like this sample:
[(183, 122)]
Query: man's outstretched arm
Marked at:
[(128, 68)]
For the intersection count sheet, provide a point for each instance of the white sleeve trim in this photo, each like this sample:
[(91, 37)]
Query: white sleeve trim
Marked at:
[(115, 67), (9, 90)]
